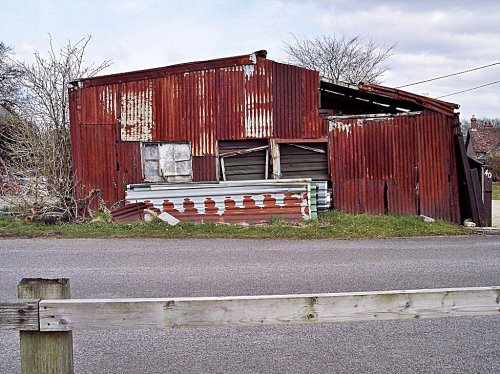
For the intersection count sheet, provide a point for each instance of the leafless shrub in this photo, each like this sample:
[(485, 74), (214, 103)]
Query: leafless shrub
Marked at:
[(350, 60), (39, 141)]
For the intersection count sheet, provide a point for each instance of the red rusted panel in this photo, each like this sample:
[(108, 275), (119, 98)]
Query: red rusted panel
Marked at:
[(296, 103), (230, 87), (287, 92), (313, 126), (99, 105), (100, 159), (129, 213), (204, 169), (437, 167), (395, 165)]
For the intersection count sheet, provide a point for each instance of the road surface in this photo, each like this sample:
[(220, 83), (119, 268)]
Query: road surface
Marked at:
[(161, 268)]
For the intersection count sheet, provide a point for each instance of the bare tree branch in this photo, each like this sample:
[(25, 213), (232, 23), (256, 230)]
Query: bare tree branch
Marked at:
[(341, 59), (39, 140)]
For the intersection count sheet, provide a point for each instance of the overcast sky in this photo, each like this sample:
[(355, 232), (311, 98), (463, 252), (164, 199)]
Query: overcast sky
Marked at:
[(433, 38)]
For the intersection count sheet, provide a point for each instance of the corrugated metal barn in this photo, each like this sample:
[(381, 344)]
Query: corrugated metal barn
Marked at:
[(383, 151)]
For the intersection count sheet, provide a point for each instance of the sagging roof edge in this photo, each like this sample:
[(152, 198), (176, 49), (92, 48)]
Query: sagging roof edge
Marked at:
[(248, 59), (437, 105)]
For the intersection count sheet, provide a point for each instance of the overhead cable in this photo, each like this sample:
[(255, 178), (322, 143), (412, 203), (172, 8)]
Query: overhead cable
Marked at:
[(469, 89), (451, 75)]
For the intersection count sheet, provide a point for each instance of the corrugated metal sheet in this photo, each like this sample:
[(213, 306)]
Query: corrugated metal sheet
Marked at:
[(299, 162), (394, 165), (100, 159), (296, 103), (228, 202), (99, 105), (130, 213), (137, 111), (246, 166), (204, 169)]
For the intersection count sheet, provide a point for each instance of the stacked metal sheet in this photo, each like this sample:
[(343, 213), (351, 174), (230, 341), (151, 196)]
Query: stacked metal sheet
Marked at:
[(236, 201)]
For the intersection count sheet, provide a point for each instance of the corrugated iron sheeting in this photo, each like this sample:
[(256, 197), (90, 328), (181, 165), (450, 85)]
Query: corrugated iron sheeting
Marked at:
[(99, 105), (250, 203), (395, 165), (204, 169), (100, 159), (296, 102), (184, 110), (137, 111), (130, 213), (258, 99), (438, 178)]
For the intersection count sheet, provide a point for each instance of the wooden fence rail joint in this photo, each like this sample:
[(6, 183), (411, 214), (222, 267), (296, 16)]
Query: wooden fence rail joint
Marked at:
[(19, 315)]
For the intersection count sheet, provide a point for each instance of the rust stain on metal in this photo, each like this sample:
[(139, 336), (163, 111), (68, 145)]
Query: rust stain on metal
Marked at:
[(137, 111), (247, 210)]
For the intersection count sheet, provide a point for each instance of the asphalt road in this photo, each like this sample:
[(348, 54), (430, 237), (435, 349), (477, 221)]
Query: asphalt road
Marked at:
[(161, 268)]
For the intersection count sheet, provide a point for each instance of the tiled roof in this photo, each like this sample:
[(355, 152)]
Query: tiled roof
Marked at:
[(484, 139)]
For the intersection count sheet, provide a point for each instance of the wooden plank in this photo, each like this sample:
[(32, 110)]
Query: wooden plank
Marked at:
[(19, 315), (45, 352), (63, 315)]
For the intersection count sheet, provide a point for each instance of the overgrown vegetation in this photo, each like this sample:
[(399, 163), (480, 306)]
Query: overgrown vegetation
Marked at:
[(36, 134), (331, 225)]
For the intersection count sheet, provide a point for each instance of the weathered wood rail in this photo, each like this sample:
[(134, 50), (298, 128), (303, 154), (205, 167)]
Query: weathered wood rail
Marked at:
[(45, 317)]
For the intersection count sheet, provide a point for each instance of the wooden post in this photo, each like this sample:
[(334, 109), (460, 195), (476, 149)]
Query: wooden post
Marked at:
[(275, 157), (45, 352)]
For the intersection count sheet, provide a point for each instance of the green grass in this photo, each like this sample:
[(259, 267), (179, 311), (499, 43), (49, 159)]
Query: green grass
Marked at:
[(333, 224), (496, 191)]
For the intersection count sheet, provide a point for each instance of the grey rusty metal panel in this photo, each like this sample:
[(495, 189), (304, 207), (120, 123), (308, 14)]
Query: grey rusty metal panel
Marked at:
[(228, 202), (304, 160), (245, 166)]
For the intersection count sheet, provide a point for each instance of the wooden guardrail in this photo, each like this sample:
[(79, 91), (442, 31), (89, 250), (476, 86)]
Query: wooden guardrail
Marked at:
[(42, 318)]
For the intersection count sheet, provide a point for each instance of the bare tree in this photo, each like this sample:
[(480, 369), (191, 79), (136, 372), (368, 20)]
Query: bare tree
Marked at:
[(40, 143), (10, 74), (341, 59)]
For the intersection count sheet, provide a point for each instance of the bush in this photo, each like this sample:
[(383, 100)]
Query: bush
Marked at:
[(494, 162)]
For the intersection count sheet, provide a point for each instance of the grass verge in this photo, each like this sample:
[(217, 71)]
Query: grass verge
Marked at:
[(331, 225), (496, 191)]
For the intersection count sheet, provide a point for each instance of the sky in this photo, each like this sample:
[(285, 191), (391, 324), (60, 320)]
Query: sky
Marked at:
[(430, 38)]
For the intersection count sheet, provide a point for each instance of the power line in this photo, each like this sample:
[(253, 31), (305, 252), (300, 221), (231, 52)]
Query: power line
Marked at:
[(450, 75), (469, 89)]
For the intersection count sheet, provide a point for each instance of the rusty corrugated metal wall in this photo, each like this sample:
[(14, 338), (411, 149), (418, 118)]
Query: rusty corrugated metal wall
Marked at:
[(238, 98), (395, 165)]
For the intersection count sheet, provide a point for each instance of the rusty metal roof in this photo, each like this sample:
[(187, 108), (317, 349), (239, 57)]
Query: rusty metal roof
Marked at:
[(224, 62), (436, 105)]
